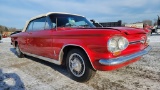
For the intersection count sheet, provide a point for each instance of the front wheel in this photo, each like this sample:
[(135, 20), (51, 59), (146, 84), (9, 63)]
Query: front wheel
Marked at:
[(78, 66), (19, 53)]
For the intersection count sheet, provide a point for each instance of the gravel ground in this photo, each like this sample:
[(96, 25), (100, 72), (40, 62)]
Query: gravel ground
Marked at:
[(34, 74)]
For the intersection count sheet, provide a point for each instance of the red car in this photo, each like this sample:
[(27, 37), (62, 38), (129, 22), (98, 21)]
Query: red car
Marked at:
[(71, 40)]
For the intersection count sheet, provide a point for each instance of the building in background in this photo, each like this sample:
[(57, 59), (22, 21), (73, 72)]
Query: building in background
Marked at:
[(135, 25)]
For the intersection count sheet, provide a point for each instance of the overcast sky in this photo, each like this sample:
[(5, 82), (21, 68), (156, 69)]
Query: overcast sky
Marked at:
[(14, 13)]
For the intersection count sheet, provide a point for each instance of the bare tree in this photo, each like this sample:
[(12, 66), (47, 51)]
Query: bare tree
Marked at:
[(155, 22), (1, 29), (13, 29), (124, 23), (149, 22)]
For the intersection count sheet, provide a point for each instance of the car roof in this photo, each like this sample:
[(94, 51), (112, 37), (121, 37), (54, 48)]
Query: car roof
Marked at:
[(47, 14)]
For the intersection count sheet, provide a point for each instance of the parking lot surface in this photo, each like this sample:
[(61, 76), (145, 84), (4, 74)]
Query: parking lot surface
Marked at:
[(34, 74)]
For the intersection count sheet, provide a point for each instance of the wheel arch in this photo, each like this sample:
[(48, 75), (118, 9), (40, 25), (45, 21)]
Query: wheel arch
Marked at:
[(65, 49), (15, 43)]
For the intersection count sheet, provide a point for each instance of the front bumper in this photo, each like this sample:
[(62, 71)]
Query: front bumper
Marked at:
[(123, 59)]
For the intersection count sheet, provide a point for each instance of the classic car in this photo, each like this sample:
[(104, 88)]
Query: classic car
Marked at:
[(72, 40)]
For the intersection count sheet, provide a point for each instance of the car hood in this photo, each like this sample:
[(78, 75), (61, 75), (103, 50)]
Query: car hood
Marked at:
[(126, 30)]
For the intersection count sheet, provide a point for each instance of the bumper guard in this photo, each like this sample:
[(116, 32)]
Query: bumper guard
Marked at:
[(123, 59)]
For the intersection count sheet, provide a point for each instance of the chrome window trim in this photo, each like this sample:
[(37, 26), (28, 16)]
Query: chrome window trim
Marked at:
[(49, 22)]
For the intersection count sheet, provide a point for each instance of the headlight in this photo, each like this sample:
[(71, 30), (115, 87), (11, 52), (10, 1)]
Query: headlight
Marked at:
[(112, 45), (122, 43), (117, 43)]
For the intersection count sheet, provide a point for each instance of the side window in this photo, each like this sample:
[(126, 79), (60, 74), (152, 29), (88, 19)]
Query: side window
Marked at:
[(29, 28), (40, 24)]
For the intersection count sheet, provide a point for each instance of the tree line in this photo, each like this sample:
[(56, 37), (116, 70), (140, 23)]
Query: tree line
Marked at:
[(7, 29)]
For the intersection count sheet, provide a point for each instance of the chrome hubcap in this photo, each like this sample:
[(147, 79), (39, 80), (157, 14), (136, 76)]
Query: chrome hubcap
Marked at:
[(76, 64)]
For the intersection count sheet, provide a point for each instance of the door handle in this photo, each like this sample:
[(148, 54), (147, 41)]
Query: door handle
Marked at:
[(27, 41)]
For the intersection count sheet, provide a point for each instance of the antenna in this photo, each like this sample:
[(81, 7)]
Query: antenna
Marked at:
[(158, 17)]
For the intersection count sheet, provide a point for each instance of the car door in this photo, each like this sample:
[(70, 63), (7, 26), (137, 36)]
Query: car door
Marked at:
[(24, 39), (41, 38)]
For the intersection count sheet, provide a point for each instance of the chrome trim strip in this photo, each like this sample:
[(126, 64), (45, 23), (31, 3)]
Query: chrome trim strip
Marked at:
[(44, 58), (59, 61), (62, 53), (135, 42), (123, 59)]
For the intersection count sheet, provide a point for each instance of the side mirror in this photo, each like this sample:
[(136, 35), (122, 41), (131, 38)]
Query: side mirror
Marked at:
[(93, 21), (97, 24)]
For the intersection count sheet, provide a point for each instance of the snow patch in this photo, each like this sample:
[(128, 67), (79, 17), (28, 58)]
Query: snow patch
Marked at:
[(8, 39)]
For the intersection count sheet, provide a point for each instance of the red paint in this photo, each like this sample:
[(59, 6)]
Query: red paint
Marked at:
[(92, 40)]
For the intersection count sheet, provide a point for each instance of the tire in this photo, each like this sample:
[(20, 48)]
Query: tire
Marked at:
[(78, 66), (19, 53)]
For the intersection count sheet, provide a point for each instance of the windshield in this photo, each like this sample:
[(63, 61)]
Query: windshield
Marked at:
[(65, 20)]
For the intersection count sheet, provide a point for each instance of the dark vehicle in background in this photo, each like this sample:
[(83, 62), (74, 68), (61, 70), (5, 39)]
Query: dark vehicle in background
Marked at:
[(156, 28), (0, 36), (107, 24)]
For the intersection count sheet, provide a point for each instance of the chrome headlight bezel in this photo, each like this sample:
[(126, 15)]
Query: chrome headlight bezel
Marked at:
[(117, 43), (148, 37)]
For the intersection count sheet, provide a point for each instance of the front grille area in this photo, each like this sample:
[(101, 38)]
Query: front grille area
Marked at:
[(135, 42)]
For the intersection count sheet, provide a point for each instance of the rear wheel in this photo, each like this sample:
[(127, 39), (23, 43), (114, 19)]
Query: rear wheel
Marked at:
[(19, 53), (78, 66)]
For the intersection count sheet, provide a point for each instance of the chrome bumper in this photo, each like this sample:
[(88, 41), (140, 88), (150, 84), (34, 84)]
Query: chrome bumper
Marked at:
[(123, 59)]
